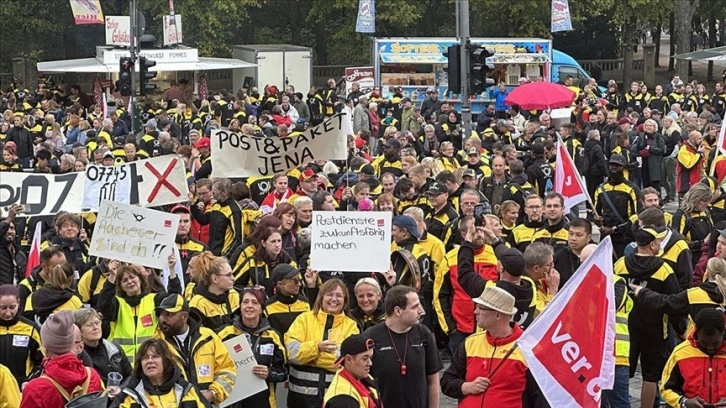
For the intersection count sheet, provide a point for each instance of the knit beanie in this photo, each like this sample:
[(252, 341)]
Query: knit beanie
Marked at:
[(56, 334)]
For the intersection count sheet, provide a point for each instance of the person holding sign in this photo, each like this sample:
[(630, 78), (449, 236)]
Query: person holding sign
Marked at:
[(353, 386), (266, 346), (128, 303), (156, 378), (214, 303), (313, 343)]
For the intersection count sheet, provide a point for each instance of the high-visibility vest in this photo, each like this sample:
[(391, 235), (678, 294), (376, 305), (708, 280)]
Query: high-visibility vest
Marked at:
[(133, 325), (622, 334)]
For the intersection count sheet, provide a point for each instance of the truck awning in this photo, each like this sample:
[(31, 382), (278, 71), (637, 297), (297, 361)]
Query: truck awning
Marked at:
[(394, 58), (711, 54), (94, 65)]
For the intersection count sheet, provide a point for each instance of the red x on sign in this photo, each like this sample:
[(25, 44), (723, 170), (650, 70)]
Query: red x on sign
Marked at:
[(162, 180)]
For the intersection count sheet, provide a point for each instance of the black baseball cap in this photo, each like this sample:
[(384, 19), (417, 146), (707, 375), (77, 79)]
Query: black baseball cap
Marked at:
[(283, 271), (618, 159), (354, 345), (511, 259)]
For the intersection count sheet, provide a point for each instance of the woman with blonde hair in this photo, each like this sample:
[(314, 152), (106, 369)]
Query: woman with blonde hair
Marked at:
[(57, 294), (692, 219), (214, 303), (447, 159), (672, 137), (409, 161), (508, 214), (709, 294), (313, 344), (650, 147)]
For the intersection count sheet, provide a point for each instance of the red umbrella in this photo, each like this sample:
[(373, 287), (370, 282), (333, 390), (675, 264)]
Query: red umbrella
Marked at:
[(540, 96)]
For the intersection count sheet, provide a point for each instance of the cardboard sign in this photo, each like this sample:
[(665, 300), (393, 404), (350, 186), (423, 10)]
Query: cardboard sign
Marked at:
[(148, 183), (351, 241), (238, 155), (151, 182), (134, 234), (247, 384)]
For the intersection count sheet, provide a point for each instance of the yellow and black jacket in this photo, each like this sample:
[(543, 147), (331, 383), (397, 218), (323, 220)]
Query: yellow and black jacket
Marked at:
[(214, 311), (251, 271), (228, 224), (10, 396), (523, 234), (624, 196), (204, 360), (342, 393), (20, 346), (694, 227), (436, 222), (46, 300), (652, 272), (282, 310), (312, 371), (268, 350), (659, 102), (636, 102), (188, 248), (420, 202), (381, 166), (678, 256), (177, 392), (554, 235), (91, 284)]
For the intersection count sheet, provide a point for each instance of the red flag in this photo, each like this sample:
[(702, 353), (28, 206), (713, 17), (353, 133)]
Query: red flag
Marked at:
[(573, 362), (34, 254), (568, 181), (721, 138)]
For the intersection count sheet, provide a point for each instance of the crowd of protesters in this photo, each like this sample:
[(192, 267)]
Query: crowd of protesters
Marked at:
[(481, 241)]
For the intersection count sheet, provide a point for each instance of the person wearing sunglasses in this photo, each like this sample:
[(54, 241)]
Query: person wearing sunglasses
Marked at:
[(266, 346), (287, 303), (213, 302), (313, 342)]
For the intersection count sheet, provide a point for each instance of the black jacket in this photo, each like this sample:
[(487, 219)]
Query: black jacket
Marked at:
[(12, 259), (596, 157), (107, 358)]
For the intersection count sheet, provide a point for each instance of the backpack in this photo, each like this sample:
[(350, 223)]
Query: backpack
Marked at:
[(79, 397), (582, 161)]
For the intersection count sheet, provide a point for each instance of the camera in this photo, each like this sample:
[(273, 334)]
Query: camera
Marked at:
[(479, 220)]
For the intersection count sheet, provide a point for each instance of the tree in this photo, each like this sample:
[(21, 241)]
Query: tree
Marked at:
[(684, 10)]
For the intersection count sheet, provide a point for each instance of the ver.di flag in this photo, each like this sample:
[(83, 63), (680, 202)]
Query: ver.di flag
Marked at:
[(573, 362), (366, 22), (34, 254), (568, 181), (87, 11), (560, 16)]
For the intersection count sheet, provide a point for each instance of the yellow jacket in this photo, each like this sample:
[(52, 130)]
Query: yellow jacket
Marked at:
[(181, 394), (210, 366), (9, 390), (310, 368)]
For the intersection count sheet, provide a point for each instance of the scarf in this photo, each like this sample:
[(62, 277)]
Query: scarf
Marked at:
[(362, 390)]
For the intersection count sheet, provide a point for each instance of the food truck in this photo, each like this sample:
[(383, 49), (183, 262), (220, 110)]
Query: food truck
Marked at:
[(417, 64)]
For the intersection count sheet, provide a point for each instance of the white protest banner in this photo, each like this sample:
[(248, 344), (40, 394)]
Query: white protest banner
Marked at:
[(118, 30), (150, 182), (173, 29), (247, 384), (351, 241), (238, 155), (134, 234)]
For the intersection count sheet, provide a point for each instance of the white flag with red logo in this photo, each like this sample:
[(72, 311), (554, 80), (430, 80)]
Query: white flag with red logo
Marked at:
[(571, 361), (568, 181), (34, 254)]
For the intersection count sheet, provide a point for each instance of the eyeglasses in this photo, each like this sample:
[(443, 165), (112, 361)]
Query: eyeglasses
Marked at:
[(226, 275), (92, 324)]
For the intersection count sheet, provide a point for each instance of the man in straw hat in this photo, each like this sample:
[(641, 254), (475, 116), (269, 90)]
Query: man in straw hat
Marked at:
[(352, 385), (500, 374)]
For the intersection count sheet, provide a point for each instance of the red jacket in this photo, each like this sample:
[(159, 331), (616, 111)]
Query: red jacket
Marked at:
[(198, 231), (479, 356), (68, 371), (691, 373), (700, 268)]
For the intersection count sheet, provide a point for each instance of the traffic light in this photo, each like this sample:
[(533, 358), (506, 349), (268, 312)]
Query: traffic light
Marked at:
[(453, 67), (126, 70), (145, 75), (478, 69)]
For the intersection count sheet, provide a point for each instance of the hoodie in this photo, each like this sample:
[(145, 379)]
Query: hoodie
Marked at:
[(46, 300), (69, 372), (691, 301), (651, 272)]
